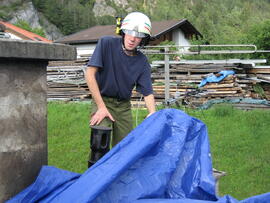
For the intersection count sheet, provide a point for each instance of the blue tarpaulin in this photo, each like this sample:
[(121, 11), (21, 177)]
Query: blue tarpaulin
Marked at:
[(216, 77), (165, 159)]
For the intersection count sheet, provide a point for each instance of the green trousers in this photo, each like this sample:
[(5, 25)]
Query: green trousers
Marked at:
[(121, 112)]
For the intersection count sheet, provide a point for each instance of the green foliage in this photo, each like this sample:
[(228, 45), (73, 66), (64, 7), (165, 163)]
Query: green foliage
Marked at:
[(160, 57), (259, 35), (69, 16), (220, 22), (6, 11), (105, 20), (3, 15), (25, 25), (259, 90), (39, 4)]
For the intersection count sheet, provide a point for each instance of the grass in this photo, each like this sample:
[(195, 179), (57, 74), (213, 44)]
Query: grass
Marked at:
[(68, 135), (240, 146), (239, 143)]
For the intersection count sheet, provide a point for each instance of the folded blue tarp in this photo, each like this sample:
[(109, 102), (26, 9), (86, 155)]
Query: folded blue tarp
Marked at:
[(165, 159), (216, 78)]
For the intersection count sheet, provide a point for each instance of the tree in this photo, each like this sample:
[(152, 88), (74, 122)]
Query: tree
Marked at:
[(259, 35), (39, 4)]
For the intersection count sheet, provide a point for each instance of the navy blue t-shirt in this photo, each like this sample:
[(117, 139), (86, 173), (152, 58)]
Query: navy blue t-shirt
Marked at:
[(118, 73)]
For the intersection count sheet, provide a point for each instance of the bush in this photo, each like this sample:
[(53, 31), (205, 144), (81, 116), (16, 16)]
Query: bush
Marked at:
[(25, 25)]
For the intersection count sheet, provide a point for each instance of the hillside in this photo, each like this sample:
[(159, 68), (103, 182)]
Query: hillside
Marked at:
[(227, 21)]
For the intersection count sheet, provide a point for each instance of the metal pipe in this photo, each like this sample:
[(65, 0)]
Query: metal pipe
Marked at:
[(149, 50), (167, 76)]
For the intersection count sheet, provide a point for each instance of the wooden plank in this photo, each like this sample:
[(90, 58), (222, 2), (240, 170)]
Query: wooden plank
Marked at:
[(259, 70), (217, 85)]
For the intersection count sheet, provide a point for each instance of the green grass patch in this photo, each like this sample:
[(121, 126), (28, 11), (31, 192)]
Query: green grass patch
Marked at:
[(240, 146), (68, 135), (239, 143)]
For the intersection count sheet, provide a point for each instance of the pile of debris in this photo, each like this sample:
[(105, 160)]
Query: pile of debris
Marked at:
[(66, 82), (249, 81)]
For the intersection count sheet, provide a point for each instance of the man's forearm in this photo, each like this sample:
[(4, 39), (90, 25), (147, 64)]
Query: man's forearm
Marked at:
[(93, 86), (150, 103)]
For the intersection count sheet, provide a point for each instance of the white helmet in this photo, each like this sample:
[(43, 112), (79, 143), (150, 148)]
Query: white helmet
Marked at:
[(136, 24)]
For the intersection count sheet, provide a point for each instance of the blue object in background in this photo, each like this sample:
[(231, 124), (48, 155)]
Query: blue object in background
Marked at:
[(214, 78), (165, 159)]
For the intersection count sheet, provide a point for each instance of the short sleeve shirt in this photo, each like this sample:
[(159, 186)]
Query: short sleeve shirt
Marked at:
[(118, 73)]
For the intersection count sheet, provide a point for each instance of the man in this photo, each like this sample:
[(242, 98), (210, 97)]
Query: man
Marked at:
[(115, 67)]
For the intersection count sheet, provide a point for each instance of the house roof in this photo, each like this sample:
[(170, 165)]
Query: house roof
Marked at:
[(23, 34), (91, 35), (163, 27)]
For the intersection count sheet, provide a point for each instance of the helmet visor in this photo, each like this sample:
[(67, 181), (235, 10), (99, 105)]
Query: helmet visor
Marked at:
[(134, 33)]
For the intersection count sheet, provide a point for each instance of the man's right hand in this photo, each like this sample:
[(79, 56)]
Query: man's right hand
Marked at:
[(99, 115)]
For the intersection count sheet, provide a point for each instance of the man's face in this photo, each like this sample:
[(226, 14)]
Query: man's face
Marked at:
[(131, 42)]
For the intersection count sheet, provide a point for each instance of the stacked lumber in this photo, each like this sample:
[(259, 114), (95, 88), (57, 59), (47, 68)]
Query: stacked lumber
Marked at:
[(260, 75), (66, 81), (185, 78)]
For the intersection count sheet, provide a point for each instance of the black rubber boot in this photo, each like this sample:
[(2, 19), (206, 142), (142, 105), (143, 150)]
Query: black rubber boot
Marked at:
[(99, 143)]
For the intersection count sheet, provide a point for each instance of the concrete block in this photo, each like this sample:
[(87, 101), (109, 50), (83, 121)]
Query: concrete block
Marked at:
[(36, 50), (23, 110)]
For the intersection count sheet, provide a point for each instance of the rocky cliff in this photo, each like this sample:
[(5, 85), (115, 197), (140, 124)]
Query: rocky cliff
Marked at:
[(28, 13)]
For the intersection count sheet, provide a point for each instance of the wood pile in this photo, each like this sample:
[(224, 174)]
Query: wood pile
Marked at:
[(66, 82), (247, 82), (185, 78)]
